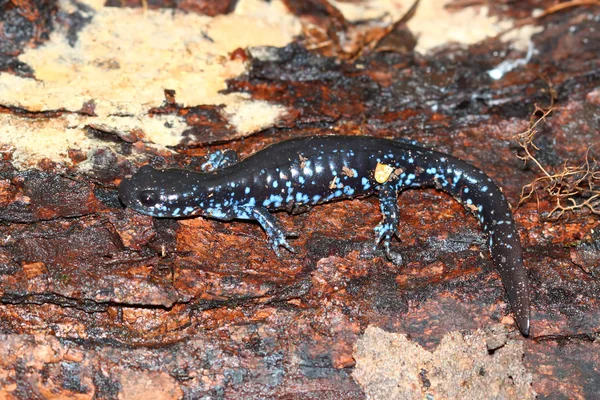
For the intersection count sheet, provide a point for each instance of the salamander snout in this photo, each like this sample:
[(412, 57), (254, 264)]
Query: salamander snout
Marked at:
[(135, 192), (158, 192), (127, 193)]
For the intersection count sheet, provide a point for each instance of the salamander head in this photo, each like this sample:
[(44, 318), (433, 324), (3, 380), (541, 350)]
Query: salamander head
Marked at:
[(160, 192)]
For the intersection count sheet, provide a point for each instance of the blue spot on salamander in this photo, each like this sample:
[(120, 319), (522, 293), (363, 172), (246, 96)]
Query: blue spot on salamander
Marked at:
[(365, 183)]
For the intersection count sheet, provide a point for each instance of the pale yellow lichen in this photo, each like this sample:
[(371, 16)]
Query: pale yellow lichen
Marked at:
[(124, 68), (123, 61), (391, 366), (435, 25)]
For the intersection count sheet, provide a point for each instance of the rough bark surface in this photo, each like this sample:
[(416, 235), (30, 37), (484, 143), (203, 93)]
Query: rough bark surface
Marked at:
[(97, 301)]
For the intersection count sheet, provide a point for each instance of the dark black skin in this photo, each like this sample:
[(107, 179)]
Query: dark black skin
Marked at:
[(300, 173)]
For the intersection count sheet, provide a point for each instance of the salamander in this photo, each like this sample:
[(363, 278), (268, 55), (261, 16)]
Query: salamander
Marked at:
[(297, 174)]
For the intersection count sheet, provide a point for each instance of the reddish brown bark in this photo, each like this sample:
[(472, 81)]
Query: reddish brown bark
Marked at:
[(204, 307)]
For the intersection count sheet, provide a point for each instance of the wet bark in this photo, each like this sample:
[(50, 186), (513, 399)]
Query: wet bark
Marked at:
[(95, 298)]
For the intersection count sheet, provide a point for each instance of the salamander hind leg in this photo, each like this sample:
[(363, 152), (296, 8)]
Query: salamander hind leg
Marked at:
[(388, 227), (277, 236), (219, 159)]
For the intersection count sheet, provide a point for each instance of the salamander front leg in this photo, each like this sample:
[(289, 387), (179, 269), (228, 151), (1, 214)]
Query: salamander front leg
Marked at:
[(276, 234), (219, 159), (388, 227)]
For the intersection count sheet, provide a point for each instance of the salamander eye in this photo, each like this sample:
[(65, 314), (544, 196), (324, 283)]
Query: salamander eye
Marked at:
[(148, 198)]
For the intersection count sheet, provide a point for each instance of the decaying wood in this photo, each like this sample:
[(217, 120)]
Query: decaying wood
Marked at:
[(97, 301)]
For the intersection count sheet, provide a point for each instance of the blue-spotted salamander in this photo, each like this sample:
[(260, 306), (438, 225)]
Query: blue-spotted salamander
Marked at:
[(296, 174)]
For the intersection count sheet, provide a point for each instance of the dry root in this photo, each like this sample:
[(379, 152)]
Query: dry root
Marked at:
[(572, 187)]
